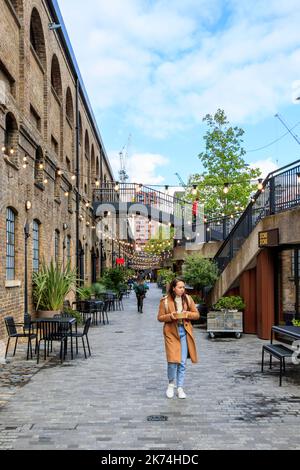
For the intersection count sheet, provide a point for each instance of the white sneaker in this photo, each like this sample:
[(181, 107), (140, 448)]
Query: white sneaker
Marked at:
[(180, 393), (170, 391)]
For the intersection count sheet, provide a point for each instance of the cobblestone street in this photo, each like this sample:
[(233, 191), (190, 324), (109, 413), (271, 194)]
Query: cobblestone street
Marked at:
[(104, 402)]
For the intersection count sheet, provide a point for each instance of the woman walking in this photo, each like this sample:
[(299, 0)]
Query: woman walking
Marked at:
[(176, 310)]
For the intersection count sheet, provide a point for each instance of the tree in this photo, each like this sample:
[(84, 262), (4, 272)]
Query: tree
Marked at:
[(223, 163), (162, 242), (199, 272)]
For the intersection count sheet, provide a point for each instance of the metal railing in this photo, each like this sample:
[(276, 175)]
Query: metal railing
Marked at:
[(281, 192), (139, 194)]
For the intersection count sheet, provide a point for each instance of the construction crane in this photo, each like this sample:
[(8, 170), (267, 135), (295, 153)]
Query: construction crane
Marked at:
[(123, 176), (181, 180)]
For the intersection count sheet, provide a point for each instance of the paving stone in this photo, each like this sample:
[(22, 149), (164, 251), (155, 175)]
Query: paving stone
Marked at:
[(103, 402)]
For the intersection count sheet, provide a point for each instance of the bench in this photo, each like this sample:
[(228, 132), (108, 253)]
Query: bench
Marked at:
[(280, 352)]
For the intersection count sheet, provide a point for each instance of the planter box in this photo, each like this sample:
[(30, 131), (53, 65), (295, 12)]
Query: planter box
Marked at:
[(225, 322)]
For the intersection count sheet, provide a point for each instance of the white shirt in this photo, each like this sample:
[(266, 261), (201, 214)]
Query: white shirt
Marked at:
[(178, 301)]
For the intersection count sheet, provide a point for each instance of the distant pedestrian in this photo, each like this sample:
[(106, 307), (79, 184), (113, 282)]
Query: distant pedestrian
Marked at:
[(140, 291), (176, 310)]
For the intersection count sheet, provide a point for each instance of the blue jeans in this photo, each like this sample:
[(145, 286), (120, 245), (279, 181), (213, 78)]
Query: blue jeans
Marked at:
[(176, 372)]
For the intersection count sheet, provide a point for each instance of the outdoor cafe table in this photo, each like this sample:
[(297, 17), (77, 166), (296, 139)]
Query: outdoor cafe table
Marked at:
[(290, 331), (63, 320)]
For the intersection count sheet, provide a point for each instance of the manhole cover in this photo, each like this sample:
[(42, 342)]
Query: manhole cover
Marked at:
[(119, 331), (157, 418)]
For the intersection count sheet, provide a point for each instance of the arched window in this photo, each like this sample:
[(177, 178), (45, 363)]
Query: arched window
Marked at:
[(36, 246), (10, 243), (69, 106), (56, 246), (37, 39), (87, 145), (56, 77), (11, 135), (93, 162)]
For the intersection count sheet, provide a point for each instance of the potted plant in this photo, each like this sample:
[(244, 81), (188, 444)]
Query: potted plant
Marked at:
[(50, 287), (232, 303)]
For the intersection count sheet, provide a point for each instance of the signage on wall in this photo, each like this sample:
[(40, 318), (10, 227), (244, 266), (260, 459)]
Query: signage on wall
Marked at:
[(268, 238)]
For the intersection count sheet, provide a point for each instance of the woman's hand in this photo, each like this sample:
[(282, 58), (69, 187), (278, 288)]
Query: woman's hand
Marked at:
[(173, 315)]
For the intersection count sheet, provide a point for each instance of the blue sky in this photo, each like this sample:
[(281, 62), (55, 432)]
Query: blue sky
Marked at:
[(154, 68)]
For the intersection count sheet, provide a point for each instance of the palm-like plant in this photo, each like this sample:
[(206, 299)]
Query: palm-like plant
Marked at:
[(52, 284)]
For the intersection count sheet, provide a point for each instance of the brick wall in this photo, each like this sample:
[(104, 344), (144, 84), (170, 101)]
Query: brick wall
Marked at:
[(39, 112)]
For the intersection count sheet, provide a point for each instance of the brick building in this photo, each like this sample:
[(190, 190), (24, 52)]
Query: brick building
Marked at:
[(42, 97)]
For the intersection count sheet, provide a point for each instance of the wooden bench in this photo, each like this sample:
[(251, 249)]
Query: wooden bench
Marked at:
[(280, 352)]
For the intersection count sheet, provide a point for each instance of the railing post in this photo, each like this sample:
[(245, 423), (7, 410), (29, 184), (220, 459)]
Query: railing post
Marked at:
[(272, 195)]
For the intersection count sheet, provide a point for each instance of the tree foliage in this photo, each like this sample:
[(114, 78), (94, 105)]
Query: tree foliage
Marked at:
[(199, 272), (223, 162), (161, 242)]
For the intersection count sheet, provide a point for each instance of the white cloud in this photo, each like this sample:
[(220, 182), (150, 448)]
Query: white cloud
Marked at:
[(141, 167), (167, 64), (266, 166)]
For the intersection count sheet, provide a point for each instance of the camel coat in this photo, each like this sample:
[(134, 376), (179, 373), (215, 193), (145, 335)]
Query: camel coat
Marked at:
[(170, 330)]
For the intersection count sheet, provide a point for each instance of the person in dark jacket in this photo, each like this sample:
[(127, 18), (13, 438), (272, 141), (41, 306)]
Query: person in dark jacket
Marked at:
[(140, 291)]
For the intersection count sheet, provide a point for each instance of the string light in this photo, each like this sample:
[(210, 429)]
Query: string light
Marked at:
[(226, 188), (59, 172), (3, 149), (194, 191), (260, 185)]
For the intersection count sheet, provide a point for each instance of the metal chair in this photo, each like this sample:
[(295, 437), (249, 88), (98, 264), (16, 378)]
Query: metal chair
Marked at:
[(83, 334), (11, 328), (52, 331)]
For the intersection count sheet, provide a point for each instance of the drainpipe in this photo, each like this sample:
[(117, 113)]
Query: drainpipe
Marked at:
[(77, 182)]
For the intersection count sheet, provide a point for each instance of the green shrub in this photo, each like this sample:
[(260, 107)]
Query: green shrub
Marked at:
[(75, 314), (199, 272), (296, 322), (232, 302), (84, 292)]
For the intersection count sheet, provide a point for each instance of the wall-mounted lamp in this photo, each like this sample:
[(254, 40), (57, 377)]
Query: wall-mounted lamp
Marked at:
[(65, 226), (53, 26)]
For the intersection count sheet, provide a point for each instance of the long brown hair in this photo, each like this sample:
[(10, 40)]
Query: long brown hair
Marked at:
[(171, 292)]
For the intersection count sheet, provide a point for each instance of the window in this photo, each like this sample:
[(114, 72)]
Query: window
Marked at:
[(69, 107), (54, 145), (35, 118), (56, 77), (35, 242), (10, 244), (11, 135), (68, 249), (56, 246), (37, 40)]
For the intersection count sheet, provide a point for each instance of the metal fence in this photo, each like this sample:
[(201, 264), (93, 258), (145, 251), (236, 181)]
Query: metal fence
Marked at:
[(281, 192)]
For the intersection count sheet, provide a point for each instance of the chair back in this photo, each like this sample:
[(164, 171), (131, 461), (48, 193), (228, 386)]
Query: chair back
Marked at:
[(10, 326), (87, 326)]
